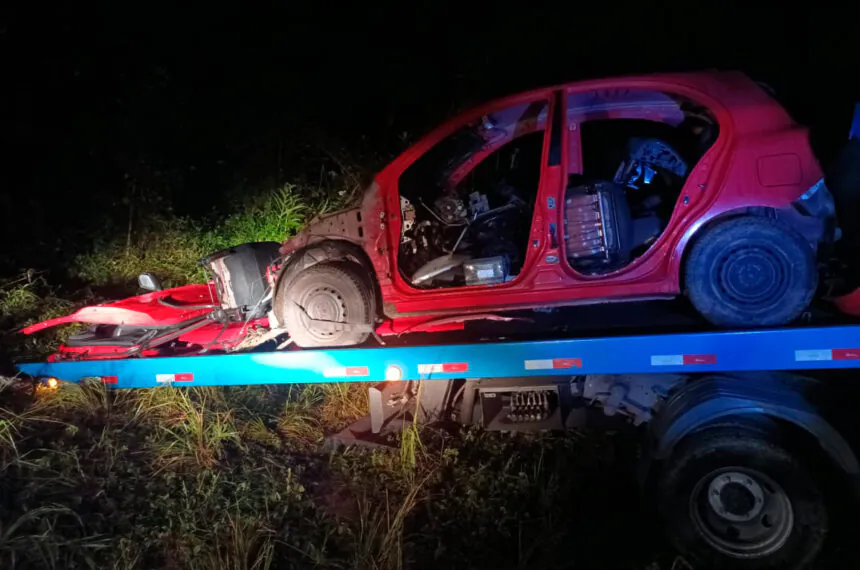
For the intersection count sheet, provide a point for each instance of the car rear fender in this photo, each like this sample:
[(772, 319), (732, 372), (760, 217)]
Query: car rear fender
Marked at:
[(812, 218)]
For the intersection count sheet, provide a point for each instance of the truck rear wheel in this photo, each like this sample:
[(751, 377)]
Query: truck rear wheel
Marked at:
[(327, 304), (750, 272), (733, 499)]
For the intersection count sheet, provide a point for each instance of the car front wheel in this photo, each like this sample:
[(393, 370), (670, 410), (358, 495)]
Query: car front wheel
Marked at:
[(750, 272), (328, 304)]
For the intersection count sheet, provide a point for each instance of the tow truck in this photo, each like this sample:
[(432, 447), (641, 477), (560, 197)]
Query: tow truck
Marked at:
[(736, 430), (746, 438)]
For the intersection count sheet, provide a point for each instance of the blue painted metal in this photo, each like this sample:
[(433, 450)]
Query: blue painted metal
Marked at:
[(781, 349), (855, 123)]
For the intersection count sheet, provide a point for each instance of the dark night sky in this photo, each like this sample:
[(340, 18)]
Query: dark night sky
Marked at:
[(193, 102)]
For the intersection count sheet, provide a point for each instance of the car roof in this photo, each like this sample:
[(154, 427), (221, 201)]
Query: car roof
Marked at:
[(740, 106)]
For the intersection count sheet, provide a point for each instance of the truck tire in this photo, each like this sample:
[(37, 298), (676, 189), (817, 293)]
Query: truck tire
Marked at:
[(750, 272), (322, 295), (731, 498)]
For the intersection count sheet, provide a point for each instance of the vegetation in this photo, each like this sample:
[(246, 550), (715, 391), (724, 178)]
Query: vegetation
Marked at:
[(194, 478), (242, 478), (171, 247)]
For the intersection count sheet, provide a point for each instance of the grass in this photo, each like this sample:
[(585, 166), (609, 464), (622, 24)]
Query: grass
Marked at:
[(171, 246), (196, 433), (245, 545), (241, 479), (299, 422), (342, 403), (33, 536)]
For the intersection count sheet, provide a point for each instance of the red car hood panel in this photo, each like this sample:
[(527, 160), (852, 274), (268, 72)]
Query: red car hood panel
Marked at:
[(185, 303)]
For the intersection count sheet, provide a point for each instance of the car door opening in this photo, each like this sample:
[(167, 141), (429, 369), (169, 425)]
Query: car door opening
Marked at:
[(467, 204), (633, 172)]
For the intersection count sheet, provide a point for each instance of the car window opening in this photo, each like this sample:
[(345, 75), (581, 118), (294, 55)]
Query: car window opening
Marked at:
[(635, 162)]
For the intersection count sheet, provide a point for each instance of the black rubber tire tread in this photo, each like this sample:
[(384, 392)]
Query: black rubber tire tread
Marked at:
[(709, 300), (719, 447), (348, 280)]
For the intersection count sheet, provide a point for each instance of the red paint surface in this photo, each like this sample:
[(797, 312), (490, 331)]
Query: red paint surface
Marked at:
[(849, 304), (183, 377), (567, 363), (450, 367), (142, 310), (846, 353), (700, 359)]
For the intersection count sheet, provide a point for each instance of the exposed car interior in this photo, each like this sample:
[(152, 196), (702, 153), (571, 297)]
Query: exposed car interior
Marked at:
[(633, 171), (467, 203), (467, 224)]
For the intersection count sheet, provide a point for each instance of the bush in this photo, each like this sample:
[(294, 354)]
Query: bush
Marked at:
[(168, 247), (25, 300), (172, 246)]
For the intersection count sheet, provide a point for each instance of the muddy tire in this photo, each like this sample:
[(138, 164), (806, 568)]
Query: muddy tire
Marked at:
[(750, 272), (731, 498), (328, 304)]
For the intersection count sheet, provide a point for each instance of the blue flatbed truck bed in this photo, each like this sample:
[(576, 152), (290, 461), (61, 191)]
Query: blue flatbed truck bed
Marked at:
[(812, 348)]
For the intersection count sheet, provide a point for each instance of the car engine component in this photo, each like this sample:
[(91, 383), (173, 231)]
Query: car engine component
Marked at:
[(636, 396), (507, 405), (407, 217), (531, 406), (597, 227), (240, 277), (439, 269), (486, 271), (478, 204), (450, 210)]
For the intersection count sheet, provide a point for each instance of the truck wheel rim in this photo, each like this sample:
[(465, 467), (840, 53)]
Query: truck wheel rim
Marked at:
[(741, 512), (323, 307), (753, 276)]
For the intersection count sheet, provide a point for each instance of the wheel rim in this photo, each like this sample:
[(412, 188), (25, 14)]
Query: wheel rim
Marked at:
[(753, 277), (741, 512), (323, 304)]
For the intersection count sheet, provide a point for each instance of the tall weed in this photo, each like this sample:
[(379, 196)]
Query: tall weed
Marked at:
[(198, 434)]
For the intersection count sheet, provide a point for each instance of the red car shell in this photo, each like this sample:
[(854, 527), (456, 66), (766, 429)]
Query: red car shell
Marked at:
[(761, 159)]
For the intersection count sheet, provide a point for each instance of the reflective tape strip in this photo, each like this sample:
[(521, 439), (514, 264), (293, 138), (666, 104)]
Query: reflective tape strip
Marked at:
[(110, 380), (553, 363), (846, 353), (826, 354), (813, 355), (346, 371), (168, 378), (700, 359), (682, 359), (444, 368)]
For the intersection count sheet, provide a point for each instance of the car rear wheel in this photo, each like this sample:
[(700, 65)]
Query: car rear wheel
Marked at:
[(751, 272), (328, 304)]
